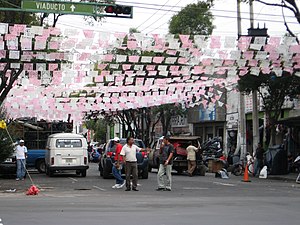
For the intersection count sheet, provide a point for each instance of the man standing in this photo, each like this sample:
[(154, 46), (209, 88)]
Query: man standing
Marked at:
[(21, 154), (129, 157), (165, 166), (259, 162), (191, 157), (117, 166)]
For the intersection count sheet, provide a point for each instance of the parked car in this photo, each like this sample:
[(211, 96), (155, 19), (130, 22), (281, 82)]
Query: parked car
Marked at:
[(180, 143), (9, 167), (66, 151), (107, 159)]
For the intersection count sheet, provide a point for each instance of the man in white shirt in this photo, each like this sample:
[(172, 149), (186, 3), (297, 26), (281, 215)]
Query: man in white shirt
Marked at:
[(129, 157), (21, 154), (191, 157)]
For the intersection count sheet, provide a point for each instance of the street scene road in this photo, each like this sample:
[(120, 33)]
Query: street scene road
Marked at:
[(162, 112), (68, 199)]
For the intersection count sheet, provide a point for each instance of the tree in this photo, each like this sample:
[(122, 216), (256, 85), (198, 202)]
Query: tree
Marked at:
[(284, 4), (165, 114), (6, 146), (99, 126), (274, 91), (16, 17), (194, 19)]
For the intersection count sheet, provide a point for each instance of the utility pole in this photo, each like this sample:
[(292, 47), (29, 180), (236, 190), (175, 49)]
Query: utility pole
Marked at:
[(242, 117), (255, 104)]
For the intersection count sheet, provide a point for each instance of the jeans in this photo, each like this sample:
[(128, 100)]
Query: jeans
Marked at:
[(258, 165), (164, 170), (21, 168), (118, 174), (131, 169)]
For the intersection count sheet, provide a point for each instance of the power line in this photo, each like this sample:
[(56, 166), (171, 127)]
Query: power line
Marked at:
[(212, 9), (152, 15), (161, 17)]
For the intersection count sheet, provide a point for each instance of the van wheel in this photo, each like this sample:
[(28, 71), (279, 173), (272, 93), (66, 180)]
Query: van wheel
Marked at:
[(41, 166), (83, 173)]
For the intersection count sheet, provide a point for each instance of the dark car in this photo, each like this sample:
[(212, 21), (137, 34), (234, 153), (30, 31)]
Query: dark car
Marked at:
[(8, 167), (107, 159)]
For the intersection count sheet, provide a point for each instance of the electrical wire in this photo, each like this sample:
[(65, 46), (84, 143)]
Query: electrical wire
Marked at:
[(160, 17), (217, 10), (152, 15)]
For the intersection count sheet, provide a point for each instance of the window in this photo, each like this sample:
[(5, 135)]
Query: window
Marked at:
[(68, 143)]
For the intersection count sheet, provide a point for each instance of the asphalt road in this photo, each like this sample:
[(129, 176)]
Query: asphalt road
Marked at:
[(70, 200)]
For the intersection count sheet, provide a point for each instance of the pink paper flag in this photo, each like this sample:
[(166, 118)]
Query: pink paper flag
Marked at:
[(53, 66), (158, 59), (150, 67), (102, 66), (184, 38), (126, 66), (131, 44), (88, 33), (134, 58)]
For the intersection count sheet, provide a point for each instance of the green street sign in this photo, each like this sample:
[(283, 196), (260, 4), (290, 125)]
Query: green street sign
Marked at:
[(59, 7)]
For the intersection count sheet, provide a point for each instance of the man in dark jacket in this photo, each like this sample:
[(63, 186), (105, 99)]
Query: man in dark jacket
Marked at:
[(165, 166)]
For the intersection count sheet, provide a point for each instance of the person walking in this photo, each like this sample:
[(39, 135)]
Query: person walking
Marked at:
[(191, 158), (129, 158), (259, 162), (21, 155), (165, 166), (118, 165)]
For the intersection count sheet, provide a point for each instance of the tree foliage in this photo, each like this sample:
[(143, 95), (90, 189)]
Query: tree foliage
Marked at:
[(194, 19), (6, 146), (16, 17), (99, 126), (274, 91)]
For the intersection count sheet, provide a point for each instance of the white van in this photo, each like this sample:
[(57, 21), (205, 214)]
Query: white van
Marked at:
[(66, 151)]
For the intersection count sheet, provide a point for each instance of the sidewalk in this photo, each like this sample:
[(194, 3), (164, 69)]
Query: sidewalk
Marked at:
[(291, 177)]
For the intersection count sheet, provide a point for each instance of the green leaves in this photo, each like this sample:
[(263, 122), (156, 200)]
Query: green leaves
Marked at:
[(194, 19)]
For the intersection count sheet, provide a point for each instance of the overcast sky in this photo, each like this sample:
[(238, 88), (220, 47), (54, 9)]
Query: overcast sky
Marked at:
[(154, 19)]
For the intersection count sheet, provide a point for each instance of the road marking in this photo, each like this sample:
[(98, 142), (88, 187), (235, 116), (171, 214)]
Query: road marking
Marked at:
[(73, 179), (194, 188), (99, 188), (224, 184)]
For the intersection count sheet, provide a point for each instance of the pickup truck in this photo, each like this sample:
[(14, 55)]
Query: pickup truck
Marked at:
[(36, 159), (180, 163)]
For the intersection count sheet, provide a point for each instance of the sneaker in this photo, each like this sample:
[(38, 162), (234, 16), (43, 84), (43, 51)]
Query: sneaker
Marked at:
[(115, 186), (121, 185), (128, 189), (17, 179), (160, 189), (22, 179), (134, 189), (168, 189)]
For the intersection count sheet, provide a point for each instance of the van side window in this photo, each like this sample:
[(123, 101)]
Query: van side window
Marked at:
[(68, 143)]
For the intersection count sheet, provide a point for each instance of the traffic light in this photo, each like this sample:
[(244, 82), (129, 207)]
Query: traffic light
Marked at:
[(118, 9)]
